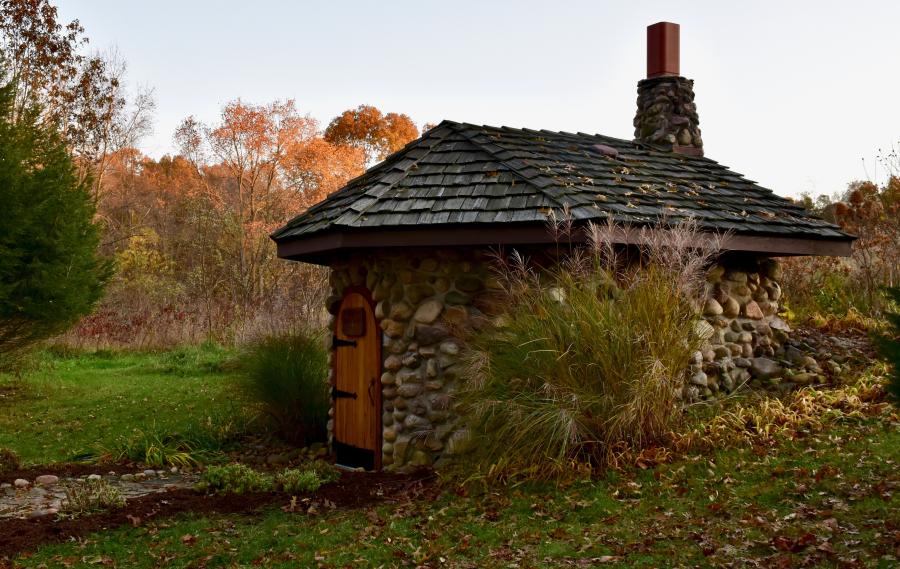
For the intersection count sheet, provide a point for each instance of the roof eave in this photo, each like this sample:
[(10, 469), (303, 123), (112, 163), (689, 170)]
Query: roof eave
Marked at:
[(320, 247)]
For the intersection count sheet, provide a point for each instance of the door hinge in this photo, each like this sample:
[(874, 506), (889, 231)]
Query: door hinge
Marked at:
[(335, 393), (337, 342)]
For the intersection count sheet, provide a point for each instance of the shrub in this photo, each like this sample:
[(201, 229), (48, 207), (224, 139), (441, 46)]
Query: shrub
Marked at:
[(296, 481), (9, 460), (89, 496), (238, 479), (307, 479), (889, 343), (234, 479), (287, 374), (585, 359), (326, 472)]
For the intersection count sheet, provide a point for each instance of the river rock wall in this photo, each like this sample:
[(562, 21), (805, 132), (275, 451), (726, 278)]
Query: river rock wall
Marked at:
[(422, 301), (667, 115), (744, 332)]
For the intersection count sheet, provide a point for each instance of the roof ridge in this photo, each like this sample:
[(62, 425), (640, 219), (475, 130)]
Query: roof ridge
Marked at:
[(556, 132), (460, 129)]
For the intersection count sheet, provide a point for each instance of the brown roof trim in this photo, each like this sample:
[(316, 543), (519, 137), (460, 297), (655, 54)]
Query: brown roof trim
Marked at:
[(319, 248)]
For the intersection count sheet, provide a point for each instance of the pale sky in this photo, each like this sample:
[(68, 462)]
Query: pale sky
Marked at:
[(795, 95)]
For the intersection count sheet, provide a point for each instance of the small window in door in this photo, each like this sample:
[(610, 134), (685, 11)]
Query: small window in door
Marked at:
[(353, 322)]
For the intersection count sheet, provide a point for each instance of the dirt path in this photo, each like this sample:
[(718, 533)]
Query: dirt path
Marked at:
[(353, 490)]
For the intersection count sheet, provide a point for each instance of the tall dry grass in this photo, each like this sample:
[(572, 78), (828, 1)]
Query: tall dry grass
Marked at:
[(586, 357), (132, 317)]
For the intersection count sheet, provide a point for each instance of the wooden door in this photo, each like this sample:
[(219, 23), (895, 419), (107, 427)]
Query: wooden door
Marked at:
[(357, 388)]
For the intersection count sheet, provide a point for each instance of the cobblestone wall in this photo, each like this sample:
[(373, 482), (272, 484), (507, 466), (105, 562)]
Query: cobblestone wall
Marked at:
[(744, 329), (424, 300), (666, 113), (421, 299)]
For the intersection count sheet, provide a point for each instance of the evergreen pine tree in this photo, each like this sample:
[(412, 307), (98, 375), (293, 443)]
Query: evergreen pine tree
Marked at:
[(51, 272)]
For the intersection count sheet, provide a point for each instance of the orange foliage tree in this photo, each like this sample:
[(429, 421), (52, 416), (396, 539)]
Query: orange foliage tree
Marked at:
[(190, 232), (367, 128)]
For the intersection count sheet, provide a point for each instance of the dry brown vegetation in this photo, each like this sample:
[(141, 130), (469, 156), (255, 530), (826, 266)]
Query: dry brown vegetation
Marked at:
[(833, 288)]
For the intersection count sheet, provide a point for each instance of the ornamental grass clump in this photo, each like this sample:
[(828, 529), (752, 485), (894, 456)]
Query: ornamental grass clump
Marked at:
[(585, 360), (89, 496), (288, 375)]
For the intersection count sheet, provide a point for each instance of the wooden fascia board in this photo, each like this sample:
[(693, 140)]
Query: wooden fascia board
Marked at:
[(317, 248)]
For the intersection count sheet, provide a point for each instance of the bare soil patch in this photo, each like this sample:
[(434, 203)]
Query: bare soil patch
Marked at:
[(353, 490)]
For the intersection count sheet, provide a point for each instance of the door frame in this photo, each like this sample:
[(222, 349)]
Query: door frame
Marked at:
[(379, 411)]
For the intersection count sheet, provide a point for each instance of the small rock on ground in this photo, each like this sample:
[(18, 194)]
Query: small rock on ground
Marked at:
[(46, 480)]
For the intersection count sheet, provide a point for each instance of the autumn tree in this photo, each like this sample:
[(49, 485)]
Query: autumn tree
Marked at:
[(255, 168), (50, 271), (83, 96), (375, 133), (318, 168)]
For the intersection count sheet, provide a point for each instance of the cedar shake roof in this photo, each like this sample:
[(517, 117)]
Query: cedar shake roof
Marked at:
[(463, 179)]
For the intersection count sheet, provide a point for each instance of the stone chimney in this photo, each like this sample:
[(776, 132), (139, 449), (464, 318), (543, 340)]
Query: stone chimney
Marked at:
[(666, 113)]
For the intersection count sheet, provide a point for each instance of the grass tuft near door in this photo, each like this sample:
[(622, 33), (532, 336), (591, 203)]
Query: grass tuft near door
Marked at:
[(357, 385)]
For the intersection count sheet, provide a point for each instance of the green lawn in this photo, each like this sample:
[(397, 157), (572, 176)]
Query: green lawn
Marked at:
[(66, 405), (825, 500)]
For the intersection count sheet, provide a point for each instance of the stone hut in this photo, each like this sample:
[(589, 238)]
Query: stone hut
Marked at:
[(407, 244)]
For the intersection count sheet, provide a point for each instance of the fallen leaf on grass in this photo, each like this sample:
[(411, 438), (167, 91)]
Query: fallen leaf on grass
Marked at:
[(784, 543)]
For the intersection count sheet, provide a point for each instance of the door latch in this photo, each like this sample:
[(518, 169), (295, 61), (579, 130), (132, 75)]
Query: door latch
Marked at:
[(335, 393), (337, 342)]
